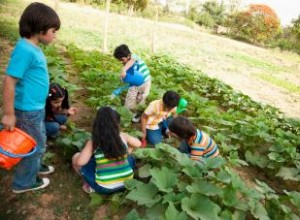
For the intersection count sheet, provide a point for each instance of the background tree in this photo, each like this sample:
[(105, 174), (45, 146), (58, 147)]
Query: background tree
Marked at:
[(296, 27), (210, 13), (257, 24)]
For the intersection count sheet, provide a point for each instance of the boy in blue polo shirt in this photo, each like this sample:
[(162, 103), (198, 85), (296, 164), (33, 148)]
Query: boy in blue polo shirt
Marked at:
[(25, 89)]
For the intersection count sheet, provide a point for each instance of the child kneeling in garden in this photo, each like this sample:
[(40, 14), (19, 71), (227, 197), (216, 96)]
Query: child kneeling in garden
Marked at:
[(196, 143), (104, 162), (57, 110), (155, 119)]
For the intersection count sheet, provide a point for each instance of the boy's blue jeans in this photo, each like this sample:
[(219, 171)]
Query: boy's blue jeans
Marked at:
[(26, 171), (88, 174), (155, 136), (52, 127)]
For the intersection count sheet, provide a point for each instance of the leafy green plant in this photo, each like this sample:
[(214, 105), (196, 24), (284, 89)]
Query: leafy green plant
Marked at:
[(179, 188)]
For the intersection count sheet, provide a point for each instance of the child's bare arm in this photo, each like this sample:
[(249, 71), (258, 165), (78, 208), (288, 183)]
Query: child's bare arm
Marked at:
[(127, 66), (144, 120), (9, 118), (85, 155), (131, 141)]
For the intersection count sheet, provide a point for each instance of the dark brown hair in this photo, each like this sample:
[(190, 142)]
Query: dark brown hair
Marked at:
[(37, 18), (182, 127)]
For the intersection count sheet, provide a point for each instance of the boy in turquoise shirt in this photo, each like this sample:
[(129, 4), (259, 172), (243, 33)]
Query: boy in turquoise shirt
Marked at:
[(25, 89)]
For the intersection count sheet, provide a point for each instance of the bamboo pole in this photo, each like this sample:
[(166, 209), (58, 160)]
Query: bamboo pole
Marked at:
[(154, 31), (105, 26)]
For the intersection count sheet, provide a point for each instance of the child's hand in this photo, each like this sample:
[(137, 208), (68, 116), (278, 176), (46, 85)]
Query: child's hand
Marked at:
[(63, 127), (123, 74), (144, 143), (72, 111)]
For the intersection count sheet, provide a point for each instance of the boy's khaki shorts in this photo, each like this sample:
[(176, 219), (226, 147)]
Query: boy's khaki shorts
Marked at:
[(137, 95)]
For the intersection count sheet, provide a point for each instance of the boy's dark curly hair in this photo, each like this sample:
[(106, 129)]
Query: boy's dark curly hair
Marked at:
[(37, 18), (171, 99), (106, 133), (121, 51)]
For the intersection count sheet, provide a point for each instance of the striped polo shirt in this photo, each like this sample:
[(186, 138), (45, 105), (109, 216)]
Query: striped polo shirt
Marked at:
[(156, 114), (141, 67), (111, 173), (202, 145)]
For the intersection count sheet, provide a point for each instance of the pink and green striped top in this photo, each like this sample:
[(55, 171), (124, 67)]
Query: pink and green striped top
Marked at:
[(111, 173)]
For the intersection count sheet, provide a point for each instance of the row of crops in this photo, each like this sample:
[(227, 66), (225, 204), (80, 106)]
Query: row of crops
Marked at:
[(171, 186)]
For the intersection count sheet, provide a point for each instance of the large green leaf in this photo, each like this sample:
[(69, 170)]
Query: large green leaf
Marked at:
[(132, 184), (258, 210), (144, 171), (132, 215), (289, 173), (145, 194), (294, 197), (204, 188), (193, 171), (173, 214), (198, 206), (258, 160), (165, 179), (96, 199), (173, 198), (213, 163), (224, 176), (230, 196)]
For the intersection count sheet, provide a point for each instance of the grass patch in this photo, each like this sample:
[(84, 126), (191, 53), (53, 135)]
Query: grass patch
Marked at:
[(279, 82), (253, 62)]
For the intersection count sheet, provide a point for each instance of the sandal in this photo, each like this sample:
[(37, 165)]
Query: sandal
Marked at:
[(87, 188)]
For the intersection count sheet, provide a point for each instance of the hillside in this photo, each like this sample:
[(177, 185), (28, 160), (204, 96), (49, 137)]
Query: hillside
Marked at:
[(268, 76), (256, 178)]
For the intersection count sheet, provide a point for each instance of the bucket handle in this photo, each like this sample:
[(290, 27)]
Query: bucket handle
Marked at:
[(17, 155)]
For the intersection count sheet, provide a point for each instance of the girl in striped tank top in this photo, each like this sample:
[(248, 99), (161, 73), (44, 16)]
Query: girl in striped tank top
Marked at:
[(104, 162), (196, 143)]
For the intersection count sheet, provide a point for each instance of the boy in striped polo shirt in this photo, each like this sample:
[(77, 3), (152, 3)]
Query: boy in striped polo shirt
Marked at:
[(136, 94), (196, 143), (155, 119)]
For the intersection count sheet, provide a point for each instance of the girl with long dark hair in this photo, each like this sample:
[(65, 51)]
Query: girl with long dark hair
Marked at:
[(104, 162)]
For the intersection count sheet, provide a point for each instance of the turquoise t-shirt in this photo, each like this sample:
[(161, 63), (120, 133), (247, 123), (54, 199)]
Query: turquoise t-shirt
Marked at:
[(28, 64)]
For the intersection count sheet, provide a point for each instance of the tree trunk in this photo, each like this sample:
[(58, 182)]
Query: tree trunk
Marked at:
[(130, 10), (105, 26), (56, 5)]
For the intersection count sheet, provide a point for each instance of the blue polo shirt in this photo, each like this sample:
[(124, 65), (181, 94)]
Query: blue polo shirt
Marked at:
[(28, 64)]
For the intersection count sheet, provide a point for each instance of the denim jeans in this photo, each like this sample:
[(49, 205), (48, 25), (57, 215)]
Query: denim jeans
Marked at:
[(88, 174), (155, 136), (52, 127), (32, 123)]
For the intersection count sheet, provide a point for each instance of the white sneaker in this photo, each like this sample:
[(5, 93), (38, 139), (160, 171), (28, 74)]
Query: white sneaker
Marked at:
[(136, 118), (41, 183), (45, 169)]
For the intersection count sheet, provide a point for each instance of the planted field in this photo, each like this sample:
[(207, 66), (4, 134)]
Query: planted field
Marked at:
[(168, 184)]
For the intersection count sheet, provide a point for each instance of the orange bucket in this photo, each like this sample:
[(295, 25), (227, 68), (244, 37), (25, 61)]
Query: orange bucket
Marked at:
[(14, 145)]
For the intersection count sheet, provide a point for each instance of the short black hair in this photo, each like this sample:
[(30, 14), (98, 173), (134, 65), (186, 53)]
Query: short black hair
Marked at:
[(121, 51), (171, 99), (182, 127), (37, 18)]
